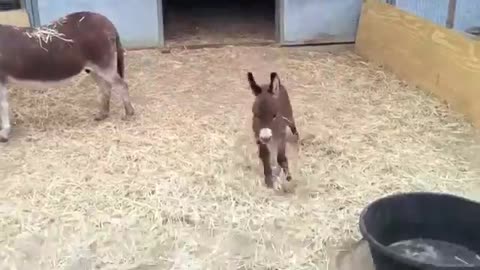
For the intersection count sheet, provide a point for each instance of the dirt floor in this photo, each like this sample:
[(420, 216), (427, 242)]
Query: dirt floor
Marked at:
[(179, 185)]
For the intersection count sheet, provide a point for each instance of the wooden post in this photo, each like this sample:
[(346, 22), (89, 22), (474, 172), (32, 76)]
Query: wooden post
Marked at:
[(452, 6)]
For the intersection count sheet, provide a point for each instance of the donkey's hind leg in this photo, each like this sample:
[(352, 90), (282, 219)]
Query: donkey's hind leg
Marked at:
[(4, 114), (104, 97), (121, 87)]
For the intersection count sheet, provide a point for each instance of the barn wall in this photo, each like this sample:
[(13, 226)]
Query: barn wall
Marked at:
[(319, 21), (435, 11), (139, 23), (467, 13)]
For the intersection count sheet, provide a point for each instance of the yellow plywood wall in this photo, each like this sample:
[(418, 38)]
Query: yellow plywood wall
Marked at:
[(442, 61), (17, 17)]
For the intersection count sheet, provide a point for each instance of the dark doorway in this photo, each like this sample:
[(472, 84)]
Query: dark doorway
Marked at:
[(196, 22), (9, 4)]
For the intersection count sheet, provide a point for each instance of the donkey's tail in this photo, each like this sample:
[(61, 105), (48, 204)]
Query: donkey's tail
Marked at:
[(120, 57)]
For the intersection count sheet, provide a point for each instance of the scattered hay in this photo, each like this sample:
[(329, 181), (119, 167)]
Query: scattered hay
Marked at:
[(180, 186)]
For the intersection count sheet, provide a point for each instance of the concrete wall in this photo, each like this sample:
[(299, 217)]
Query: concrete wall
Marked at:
[(320, 20), (139, 21)]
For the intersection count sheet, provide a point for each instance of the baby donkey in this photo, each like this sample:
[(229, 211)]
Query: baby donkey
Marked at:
[(272, 115)]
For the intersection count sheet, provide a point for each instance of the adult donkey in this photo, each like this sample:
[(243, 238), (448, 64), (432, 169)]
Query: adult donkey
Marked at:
[(52, 54)]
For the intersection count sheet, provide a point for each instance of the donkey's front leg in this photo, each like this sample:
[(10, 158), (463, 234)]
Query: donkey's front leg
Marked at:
[(4, 114), (293, 128), (264, 155), (282, 159)]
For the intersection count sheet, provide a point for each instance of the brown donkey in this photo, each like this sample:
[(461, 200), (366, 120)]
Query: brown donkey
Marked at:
[(52, 54), (272, 114)]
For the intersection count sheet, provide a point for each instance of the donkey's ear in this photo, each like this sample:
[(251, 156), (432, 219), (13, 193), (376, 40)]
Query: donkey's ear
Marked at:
[(253, 85), (274, 87)]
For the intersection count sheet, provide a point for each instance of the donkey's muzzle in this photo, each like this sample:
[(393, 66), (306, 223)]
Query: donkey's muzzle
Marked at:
[(265, 135)]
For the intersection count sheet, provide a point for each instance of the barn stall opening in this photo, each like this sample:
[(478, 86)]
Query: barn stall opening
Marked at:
[(285, 22), (180, 184), (194, 22)]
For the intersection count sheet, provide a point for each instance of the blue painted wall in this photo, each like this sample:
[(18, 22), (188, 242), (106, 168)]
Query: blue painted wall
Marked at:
[(305, 20), (432, 10), (139, 22), (467, 14)]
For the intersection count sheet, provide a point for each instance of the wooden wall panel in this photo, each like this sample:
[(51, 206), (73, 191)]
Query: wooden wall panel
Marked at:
[(442, 61)]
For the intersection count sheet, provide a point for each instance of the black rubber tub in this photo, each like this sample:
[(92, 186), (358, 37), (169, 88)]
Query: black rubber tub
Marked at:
[(423, 231)]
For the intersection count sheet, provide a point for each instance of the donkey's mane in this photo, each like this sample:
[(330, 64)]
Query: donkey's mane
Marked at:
[(46, 33)]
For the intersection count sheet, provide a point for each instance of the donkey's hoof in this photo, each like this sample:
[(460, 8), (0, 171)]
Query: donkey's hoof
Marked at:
[(269, 181), (277, 185), (100, 116), (289, 178), (129, 110), (4, 135), (127, 117), (296, 135)]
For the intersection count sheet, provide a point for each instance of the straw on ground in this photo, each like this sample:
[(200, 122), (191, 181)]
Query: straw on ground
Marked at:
[(180, 187)]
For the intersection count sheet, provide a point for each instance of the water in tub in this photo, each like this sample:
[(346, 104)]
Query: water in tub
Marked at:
[(436, 252)]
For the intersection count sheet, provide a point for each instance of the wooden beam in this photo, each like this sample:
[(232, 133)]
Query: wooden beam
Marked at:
[(442, 61)]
